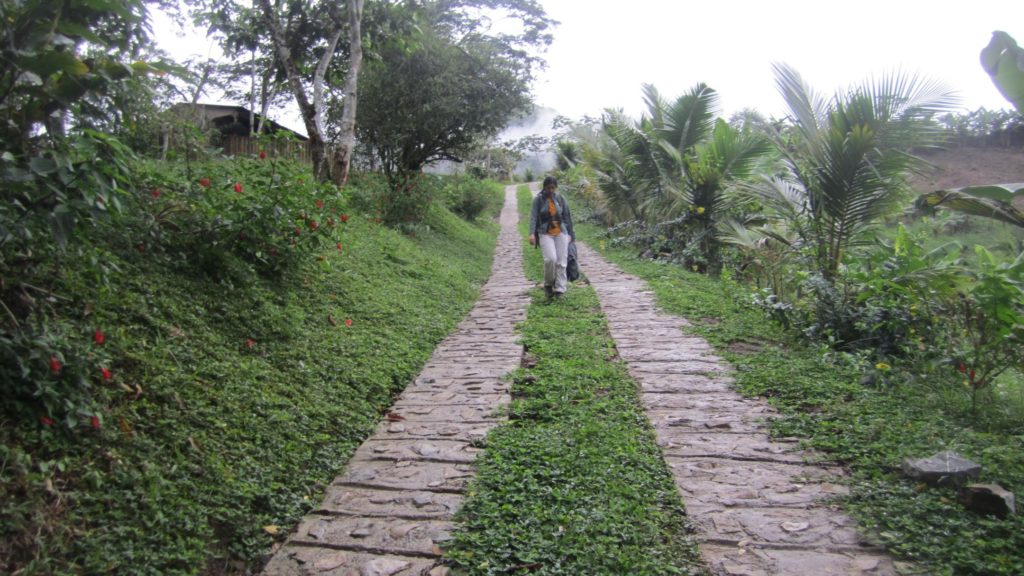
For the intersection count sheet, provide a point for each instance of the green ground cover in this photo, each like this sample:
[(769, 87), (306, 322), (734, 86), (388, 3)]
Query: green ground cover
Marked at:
[(235, 393), (574, 483), (869, 420)]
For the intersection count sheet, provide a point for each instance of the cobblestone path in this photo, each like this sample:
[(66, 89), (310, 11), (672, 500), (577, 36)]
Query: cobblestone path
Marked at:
[(395, 499), (757, 503)]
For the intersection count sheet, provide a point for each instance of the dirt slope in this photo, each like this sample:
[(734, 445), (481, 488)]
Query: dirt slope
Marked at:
[(958, 167)]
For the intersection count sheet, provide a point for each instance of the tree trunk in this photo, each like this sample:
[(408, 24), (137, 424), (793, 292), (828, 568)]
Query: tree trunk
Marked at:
[(347, 139), (312, 112)]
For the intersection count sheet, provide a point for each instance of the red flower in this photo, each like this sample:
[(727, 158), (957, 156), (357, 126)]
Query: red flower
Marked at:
[(204, 182), (249, 342), (344, 217), (298, 231), (971, 375), (319, 204), (330, 221), (155, 193), (99, 337), (339, 245), (55, 365), (263, 154), (238, 187), (348, 322), (961, 368), (107, 374), (46, 420), (140, 247), (94, 422), (313, 225)]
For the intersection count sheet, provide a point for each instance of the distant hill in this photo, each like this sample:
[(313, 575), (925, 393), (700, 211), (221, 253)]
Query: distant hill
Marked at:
[(967, 166)]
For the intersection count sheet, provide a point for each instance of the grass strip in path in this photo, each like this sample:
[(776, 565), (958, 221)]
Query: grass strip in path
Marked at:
[(574, 483)]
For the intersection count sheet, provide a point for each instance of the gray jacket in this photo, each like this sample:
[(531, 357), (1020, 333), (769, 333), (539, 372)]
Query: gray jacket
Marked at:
[(540, 215)]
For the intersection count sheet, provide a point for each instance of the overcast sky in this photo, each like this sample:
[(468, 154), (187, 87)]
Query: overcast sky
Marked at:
[(605, 51)]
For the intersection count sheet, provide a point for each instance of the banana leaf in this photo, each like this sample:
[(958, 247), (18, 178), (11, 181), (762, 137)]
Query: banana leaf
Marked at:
[(989, 200)]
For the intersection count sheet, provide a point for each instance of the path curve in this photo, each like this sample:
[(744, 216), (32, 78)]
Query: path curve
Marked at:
[(393, 503), (757, 503)]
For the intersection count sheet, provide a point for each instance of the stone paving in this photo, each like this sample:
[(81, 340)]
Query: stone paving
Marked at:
[(393, 503), (760, 506)]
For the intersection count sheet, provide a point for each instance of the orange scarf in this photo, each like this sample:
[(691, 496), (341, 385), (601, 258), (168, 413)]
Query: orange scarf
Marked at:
[(554, 229)]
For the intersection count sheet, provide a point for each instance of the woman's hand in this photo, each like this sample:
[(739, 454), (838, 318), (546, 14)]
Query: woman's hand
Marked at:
[(533, 239)]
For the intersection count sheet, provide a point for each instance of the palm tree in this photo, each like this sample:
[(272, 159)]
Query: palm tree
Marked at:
[(846, 164), (675, 163)]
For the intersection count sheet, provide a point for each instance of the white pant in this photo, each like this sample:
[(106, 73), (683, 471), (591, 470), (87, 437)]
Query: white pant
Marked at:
[(556, 255)]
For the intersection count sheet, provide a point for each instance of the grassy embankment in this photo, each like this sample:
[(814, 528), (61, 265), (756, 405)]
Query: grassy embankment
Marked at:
[(869, 428), (574, 483), (234, 396)]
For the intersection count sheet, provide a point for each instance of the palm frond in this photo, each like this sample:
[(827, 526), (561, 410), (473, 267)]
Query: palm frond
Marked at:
[(691, 117)]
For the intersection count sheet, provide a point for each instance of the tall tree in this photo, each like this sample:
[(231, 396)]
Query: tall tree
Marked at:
[(446, 83), (347, 139), (311, 106)]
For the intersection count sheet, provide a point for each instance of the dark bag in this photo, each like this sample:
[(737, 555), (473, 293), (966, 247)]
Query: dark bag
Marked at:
[(572, 268)]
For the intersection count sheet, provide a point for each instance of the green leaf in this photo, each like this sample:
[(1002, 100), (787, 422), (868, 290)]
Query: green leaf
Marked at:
[(42, 165), (50, 63), (1003, 60)]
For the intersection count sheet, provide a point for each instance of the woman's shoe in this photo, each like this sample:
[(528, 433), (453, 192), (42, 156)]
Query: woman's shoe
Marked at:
[(548, 291)]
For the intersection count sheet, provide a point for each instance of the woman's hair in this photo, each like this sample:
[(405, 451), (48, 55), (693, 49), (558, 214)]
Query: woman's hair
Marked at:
[(550, 180)]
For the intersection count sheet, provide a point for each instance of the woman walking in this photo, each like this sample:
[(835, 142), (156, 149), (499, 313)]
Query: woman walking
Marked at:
[(551, 229)]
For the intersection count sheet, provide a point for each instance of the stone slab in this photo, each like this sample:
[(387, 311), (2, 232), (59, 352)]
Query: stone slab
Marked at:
[(724, 482), (648, 355), (698, 421), (408, 504), (679, 383), (779, 527), (444, 412), (376, 535), (692, 366), (415, 398), (751, 561), (406, 475), (463, 385), (710, 402), (732, 446), (435, 450), (306, 561), (465, 431)]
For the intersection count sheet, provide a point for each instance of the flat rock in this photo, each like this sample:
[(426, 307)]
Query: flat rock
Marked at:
[(942, 468), (987, 499)]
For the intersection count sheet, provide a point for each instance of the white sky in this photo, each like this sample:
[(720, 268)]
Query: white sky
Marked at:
[(604, 51)]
